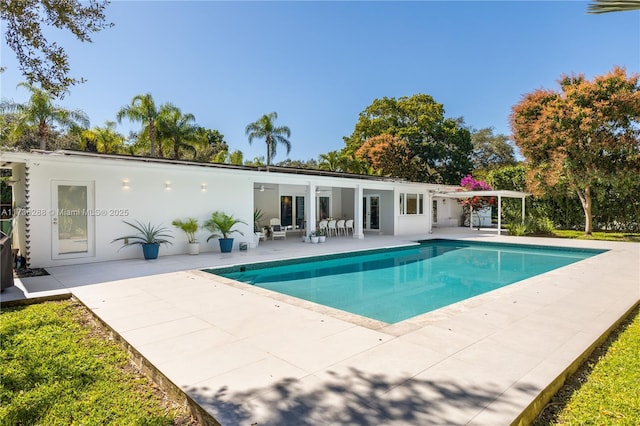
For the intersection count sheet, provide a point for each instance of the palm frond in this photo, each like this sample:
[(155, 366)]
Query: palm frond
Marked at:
[(606, 6), (147, 234), (221, 224)]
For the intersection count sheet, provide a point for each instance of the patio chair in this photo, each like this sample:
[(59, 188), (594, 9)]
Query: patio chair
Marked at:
[(277, 231), (332, 228), (342, 229), (324, 225), (349, 226)]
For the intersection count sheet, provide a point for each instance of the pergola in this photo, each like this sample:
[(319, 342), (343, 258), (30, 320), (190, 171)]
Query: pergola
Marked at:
[(492, 193)]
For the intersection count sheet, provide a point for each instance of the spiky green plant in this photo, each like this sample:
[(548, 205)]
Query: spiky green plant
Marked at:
[(147, 234), (257, 218), (189, 226), (221, 225)]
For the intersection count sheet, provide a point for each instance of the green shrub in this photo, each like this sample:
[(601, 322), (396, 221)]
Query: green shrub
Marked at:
[(517, 229), (531, 226)]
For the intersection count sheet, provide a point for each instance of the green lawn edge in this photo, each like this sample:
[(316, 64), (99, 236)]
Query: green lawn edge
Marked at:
[(57, 368), (605, 390)]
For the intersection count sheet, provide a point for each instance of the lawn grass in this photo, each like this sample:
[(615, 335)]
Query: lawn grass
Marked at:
[(57, 367), (606, 389), (606, 236)]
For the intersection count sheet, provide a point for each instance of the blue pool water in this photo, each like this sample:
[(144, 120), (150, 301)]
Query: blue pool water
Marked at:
[(391, 285)]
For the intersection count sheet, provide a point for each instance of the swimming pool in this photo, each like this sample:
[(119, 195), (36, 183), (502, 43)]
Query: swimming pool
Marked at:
[(391, 285)]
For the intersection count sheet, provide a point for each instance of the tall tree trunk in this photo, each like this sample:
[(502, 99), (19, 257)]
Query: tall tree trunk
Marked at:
[(152, 137), (176, 150), (585, 200), (268, 152), (43, 133)]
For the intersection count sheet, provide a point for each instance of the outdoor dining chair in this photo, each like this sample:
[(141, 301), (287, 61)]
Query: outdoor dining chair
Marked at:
[(332, 228), (349, 226), (324, 225)]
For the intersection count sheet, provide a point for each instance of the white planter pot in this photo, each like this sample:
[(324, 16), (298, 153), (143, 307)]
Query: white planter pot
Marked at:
[(194, 248), (256, 240), (314, 240), (322, 238)]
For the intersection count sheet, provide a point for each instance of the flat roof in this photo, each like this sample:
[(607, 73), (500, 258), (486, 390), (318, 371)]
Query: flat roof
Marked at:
[(275, 169), (490, 193)]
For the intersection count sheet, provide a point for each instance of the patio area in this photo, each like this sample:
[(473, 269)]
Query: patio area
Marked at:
[(248, 356)]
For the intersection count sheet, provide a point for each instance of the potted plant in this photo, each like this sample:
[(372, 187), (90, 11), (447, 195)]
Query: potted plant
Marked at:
[(221, 225), (257, 218), (149, 237), (314, 237), (266, 230), (322, 235), (257, 229), (190, 227)]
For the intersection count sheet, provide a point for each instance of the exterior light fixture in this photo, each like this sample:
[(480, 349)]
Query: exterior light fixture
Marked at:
[(203, 187), (125, 183), (167, 186)]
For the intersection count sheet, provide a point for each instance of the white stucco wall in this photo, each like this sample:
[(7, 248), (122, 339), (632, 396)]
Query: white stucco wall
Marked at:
[(147, 199), (159, 192), (268, 201), (414, 223), (347, 196), (449, 212)]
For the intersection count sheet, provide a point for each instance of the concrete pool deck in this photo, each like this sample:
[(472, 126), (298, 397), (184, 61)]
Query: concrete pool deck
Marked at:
[(248, 356)]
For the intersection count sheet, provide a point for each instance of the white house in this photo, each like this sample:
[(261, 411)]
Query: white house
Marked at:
[(69, 206)]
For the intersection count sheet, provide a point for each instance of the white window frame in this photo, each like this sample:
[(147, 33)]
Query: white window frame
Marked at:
[(404, 198)]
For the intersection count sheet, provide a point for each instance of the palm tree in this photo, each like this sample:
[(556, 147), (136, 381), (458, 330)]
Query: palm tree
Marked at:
[(332, 161), (105, 139), (142, 109), (605, 6), (264, 128), (177, 127), (40, 112)]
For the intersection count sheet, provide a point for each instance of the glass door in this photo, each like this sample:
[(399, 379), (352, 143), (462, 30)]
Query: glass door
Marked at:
[(324, 207), (72, 219), (300, 212), (371, 212), (286, 210)]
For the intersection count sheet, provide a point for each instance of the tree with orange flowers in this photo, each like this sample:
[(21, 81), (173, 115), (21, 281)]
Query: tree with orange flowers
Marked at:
[(585, 136), (389, 156)]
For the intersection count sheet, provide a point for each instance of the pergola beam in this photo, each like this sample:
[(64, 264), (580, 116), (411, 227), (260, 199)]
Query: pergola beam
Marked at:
[(490, 193)]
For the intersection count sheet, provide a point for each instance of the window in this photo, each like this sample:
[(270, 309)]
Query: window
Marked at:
[(411, 203)]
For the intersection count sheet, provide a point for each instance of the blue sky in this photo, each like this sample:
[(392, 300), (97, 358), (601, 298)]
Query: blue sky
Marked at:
[(319, 64)]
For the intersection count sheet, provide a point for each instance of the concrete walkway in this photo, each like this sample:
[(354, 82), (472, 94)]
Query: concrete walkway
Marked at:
[(248, 356)]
